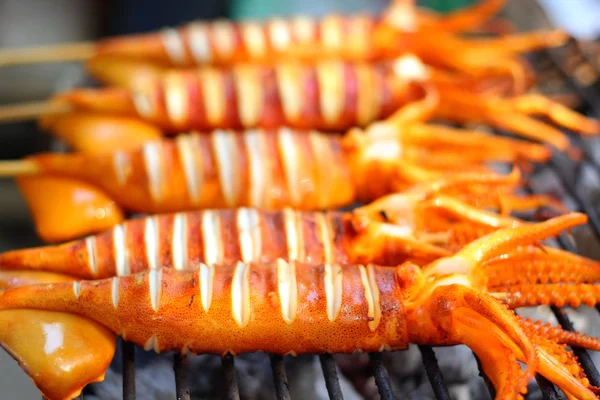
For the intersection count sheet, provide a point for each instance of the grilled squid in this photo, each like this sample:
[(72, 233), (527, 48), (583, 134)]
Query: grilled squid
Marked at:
[(354, 38), (329, 96), (401, 28), (257, 168), (420, 224), (305, 38), (293, 308)]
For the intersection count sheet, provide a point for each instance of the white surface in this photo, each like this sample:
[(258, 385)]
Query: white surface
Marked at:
[(581, 18)]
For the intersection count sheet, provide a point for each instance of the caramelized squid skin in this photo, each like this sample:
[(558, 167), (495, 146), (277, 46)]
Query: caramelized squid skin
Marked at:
[(304, 308), (290, 307), (268, 168)]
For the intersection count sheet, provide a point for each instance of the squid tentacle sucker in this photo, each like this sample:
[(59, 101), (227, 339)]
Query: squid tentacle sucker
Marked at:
[(293, 308), (269, 169), (417, 224)]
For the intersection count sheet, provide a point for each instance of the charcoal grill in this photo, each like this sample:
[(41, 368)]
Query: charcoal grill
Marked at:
[(576, 68)]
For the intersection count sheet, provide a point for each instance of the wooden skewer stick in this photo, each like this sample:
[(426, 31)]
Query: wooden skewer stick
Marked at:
[(27, 111), (18, 168), (43, 54)]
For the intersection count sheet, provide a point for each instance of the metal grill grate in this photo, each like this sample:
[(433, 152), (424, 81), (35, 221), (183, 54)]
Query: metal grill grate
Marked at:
[(331, 379)]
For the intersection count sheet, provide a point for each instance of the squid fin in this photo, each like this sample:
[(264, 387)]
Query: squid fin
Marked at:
[(64, 208), (61, 352)]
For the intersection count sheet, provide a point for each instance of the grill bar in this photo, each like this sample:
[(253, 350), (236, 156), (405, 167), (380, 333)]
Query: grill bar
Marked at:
[(434, 373), (228, 364), (583, 204), (548, 389), (381, 376), (566, 244), (128, 354), (331, 379), (280, 380), (180, 367), (486, 380), (582, 355), (588, 156)]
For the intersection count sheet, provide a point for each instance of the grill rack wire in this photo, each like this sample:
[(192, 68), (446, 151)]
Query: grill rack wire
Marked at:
[(560, 63)]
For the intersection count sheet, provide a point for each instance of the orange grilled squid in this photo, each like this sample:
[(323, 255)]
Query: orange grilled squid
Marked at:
[(328, 96), (400, 29), (269, 169), (293, 308), (418, 224)]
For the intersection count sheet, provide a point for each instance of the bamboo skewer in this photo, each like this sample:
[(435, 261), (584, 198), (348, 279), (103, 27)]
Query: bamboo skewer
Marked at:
[(27, 111), (51, 53), (18, 168)]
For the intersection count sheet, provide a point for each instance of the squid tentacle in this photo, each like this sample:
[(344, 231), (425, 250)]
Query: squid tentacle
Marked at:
[(554, 362), (535, 104), (469, 187), (542, 266), (490, 330), (516, 114), (497, 248), (509, 203), (559, 295), (470, 259), (461, 234), (445, 137), (558, 335)]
